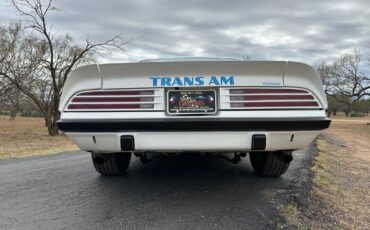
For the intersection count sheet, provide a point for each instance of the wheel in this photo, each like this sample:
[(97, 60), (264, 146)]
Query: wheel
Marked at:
[(111, 164), (270, 163)]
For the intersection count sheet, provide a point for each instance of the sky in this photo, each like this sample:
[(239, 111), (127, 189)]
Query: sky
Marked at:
[(307, 31)]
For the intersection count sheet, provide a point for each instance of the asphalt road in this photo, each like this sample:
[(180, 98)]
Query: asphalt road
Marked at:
[(64, 191)]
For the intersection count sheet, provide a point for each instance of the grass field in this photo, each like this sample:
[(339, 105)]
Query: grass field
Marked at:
[(340, 193), (24, 137)]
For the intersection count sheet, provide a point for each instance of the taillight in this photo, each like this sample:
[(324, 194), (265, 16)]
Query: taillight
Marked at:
[(127, 99), (268, 98)]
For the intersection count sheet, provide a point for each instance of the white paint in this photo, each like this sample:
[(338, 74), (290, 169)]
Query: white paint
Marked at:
[(221, 114), (245, 73), (192, 141)]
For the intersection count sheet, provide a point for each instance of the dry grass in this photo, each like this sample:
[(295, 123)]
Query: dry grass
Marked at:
[(345, 182), (340, 195), (25, 137), (291, 213)]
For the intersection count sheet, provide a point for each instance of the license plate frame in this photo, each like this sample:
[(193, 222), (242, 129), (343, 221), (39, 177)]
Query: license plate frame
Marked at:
[(191, 102)]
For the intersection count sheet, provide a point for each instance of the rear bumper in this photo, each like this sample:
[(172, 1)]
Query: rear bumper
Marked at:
[(191, 124), (209, 135), (193, 141)]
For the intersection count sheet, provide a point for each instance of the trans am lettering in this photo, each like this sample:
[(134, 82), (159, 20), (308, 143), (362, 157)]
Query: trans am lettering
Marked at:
[(192, 81)]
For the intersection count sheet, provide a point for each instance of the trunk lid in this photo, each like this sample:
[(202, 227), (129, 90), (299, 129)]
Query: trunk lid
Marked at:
[(192, 74)]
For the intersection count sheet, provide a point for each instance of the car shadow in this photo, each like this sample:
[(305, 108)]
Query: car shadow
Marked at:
[(182, 169), (187, 187)]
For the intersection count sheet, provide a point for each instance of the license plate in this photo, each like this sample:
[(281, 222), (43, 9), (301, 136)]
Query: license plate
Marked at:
[(191, 102)]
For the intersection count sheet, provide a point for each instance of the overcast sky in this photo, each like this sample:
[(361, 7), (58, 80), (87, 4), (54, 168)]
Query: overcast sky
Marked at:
[(308, 31)]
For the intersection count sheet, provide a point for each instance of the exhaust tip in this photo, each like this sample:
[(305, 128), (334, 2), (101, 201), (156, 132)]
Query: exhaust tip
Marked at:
[(98, 160)]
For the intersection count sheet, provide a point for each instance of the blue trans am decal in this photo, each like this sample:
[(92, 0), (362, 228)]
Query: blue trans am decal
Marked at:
[(192, 81)]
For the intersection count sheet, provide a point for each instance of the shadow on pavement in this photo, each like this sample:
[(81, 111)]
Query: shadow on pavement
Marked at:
[(190, 191)]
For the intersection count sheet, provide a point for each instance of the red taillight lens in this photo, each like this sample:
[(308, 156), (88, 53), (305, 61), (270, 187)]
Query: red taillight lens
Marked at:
[(103, 100), (271, 98), (111, 99), (267, 91), (117, 93), (274, 104)]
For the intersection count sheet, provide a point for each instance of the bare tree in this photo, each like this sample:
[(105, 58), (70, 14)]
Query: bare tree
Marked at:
[(334, 106), (5, 92), (362, 106), (38, 61), (344, 81), (13, 101), (5, 86)]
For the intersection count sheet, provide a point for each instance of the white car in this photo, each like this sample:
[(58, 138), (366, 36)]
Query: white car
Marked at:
[(213, 106)]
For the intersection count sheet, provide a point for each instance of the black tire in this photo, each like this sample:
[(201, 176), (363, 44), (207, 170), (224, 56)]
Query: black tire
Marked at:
[(111, 164), (270, 163)]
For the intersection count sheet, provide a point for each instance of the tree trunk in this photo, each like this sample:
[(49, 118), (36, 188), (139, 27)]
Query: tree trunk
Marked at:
[(53, 128), (52, 118), (13, 114), (349, 110), (328, 112)]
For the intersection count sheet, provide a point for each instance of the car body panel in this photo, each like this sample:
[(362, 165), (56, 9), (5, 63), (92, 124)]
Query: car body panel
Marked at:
[(195, 141), (304, 75), (136, 75), (229, 129)]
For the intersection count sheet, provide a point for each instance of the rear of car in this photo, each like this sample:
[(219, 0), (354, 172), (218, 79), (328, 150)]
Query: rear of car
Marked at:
[(264, 108)]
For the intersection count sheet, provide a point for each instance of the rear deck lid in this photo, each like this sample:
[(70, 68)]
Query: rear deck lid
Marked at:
[(192, 74)]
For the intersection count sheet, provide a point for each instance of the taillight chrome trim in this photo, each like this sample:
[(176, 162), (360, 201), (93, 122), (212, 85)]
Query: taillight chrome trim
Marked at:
[(117, 100), (251, 98)]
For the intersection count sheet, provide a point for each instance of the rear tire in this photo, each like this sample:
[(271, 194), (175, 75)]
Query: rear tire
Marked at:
[(111, 164), (270, 163)]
